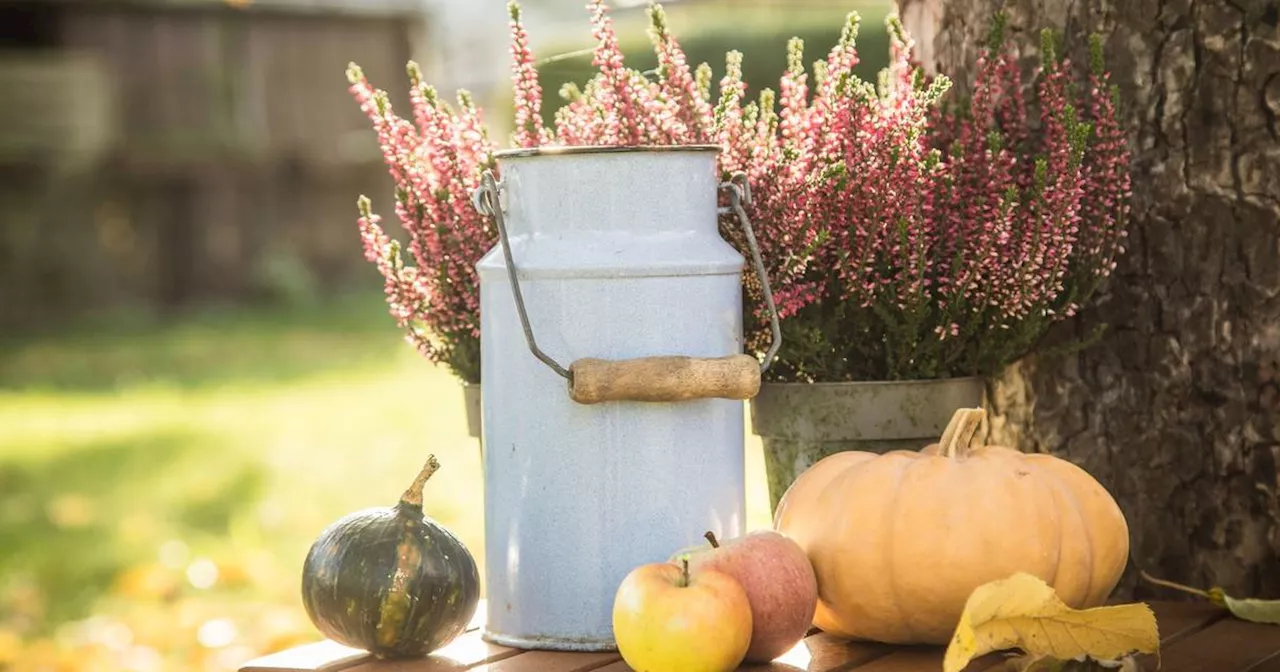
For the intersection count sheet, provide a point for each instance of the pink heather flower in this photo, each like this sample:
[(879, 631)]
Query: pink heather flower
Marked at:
[(528, 92), (913, 240), (1107, 181), (436, 161), (686, 112), (622, 124)]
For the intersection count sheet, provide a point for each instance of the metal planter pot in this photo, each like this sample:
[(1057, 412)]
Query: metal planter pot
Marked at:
[(801, 423), (471, 400)]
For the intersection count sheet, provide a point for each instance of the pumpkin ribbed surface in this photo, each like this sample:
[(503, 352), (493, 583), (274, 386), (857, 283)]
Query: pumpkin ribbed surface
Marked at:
[(390, 580), (898, 541)]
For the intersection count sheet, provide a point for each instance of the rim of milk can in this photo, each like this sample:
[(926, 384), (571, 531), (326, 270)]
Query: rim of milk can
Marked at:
[(560, 150)]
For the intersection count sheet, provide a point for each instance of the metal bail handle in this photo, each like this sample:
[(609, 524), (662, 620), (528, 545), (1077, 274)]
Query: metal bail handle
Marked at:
[(663, 378)]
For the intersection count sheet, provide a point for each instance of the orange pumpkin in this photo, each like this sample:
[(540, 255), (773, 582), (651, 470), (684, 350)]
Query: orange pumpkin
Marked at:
[(899, 540)]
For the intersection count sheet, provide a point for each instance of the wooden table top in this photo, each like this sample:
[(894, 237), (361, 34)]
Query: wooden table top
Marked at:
[(1195, 637)]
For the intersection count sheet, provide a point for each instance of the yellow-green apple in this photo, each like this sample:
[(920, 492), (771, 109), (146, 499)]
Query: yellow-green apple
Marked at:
[(667, 620), (779, 581)]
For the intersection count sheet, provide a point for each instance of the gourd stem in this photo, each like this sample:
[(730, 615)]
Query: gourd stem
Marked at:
[(957, 438), (1176, 586), (711, 539), (413, 496)]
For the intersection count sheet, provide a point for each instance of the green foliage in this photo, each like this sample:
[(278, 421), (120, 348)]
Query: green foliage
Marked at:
[(1050, 48), (1097, 63), (164, 479), (995, 36), (178, 423), (149, 469)]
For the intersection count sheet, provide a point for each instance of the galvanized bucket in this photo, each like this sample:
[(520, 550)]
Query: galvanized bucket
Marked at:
[(609, 259), (801, 423)]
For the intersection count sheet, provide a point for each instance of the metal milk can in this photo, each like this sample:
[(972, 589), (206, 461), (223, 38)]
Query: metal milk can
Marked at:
[(613, 379)]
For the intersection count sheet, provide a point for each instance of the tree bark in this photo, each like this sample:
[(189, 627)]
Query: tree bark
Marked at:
[(1176, 410)]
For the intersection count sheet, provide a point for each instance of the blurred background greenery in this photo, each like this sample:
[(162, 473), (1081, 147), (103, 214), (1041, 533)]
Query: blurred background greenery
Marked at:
[(197, 370), (165, 480)]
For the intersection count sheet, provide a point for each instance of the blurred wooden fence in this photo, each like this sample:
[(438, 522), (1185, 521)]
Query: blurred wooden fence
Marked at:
[(159, 153)]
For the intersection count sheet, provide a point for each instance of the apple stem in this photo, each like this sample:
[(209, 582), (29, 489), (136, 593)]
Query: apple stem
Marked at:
[(711, 538), (684, 571)]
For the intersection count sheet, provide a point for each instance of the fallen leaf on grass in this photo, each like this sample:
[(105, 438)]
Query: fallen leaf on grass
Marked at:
[(1024, 612), (1257, 611)]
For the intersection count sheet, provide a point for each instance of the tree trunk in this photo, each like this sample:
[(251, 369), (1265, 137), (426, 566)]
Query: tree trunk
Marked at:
[(1177, 409)]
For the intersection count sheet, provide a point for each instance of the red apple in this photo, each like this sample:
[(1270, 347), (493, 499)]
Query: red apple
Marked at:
[(665, 619), (779, 581)]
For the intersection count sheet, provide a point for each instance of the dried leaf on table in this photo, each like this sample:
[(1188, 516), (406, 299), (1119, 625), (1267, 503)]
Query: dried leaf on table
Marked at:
[(1024, 612), (1257, 611)]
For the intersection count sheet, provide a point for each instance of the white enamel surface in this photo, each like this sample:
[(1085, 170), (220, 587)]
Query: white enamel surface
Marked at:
[(619, 257)]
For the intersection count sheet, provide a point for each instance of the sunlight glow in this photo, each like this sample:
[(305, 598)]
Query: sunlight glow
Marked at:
[(799, 656)]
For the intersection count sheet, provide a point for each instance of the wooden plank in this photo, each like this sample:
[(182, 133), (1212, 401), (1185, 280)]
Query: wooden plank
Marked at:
[(925, 659), (1271, 664), (1194, 636), (478, 618), (325, 656), (552, 661), (1177, 621), (328, 656), (823, 652), (1229, 645), (463, 653), (817, 653)]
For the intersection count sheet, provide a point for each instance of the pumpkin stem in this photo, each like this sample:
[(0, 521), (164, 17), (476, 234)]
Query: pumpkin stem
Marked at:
[(957, 438), (413, 496), (711, 539)]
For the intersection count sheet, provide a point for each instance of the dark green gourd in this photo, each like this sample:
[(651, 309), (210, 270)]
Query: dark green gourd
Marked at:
[(390, 580)]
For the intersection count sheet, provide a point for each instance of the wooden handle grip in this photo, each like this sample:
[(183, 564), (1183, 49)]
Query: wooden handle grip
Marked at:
[(674, 378)]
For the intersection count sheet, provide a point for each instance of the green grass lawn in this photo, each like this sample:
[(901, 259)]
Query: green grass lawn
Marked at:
[(160, 483)]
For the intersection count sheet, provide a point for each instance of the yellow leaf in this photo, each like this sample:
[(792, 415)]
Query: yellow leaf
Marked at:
[(1258, 611), (1024, 612)]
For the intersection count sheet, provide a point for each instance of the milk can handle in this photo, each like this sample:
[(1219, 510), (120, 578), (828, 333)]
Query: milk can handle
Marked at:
[(650, 378)]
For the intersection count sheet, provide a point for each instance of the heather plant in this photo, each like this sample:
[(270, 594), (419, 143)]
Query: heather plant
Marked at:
[(436, 160), (908, 232), (941, 236)]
